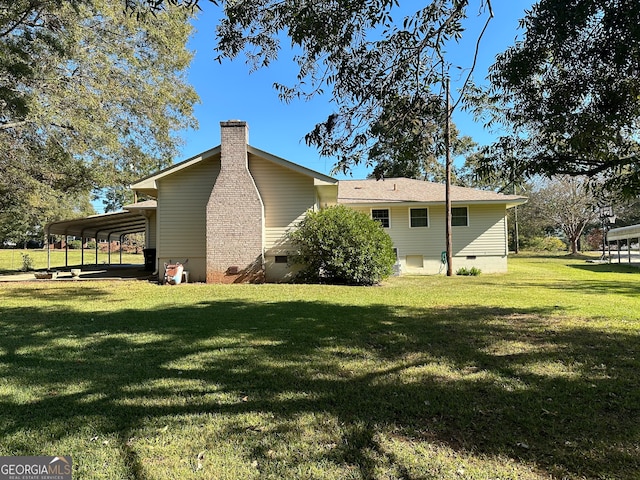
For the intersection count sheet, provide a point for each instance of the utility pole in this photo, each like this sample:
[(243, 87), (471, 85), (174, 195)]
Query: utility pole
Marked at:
[(447, 200)]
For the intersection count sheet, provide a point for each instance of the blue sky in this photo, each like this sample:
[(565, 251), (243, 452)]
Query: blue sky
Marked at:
[(229, 91)]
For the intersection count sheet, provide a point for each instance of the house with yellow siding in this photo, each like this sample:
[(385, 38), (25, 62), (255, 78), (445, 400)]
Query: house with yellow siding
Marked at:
[(228, 210)]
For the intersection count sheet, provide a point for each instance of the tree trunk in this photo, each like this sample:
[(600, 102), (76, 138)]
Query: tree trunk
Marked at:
[(574, 245)]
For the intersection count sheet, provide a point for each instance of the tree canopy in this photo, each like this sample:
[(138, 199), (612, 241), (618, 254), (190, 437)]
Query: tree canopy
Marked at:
[(569, 93), (382, 64), (420, 153), (90, 97)]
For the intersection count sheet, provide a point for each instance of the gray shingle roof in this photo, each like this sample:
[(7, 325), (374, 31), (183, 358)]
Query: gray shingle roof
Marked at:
[(396, 190)]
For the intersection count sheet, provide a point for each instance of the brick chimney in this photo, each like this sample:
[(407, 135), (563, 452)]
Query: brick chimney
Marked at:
[(235, 214)]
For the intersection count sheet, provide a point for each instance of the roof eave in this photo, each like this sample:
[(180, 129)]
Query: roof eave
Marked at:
[(149, 185), (387, 202)]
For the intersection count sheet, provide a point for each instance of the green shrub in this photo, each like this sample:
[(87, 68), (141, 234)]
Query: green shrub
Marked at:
[(544, 244), (470, 272), (75, 245), (27, 263), (340, 245)]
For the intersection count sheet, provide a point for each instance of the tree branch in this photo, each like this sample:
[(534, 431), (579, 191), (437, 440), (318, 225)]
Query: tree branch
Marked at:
[(475, 55)]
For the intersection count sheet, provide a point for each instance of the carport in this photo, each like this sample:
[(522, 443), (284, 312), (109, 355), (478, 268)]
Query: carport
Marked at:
[(628, 234), (106, 226)]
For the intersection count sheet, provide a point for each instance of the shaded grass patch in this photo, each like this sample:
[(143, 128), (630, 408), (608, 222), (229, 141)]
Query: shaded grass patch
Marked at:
[(505, 376)]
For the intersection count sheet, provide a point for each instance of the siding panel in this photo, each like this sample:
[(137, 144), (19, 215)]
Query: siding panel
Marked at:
[(287, 196), (485, 237), (182, 202), (151, 231)]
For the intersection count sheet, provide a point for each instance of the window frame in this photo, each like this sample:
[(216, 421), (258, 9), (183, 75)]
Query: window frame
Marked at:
[(388, 210), (466, 209), (426, 209)]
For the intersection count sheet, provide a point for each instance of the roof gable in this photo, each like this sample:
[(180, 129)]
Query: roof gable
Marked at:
[(290, 165), (149, 184)]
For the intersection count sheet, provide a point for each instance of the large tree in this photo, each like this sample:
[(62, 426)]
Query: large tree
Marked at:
[(90, 96), (417, 150), (383, 65), (566, 203), (569, 92)]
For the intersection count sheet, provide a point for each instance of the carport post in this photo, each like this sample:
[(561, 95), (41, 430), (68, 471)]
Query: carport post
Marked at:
[(121, 239), (97, 246), (46, 238), (109, 247), (66, 250), (82, 247)]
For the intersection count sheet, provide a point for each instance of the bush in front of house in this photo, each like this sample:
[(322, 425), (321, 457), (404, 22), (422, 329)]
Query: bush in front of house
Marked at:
[(342, 246), (469, 272)]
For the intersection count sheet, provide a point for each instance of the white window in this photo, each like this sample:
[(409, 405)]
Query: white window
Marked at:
[(381, 215), (418, 217)]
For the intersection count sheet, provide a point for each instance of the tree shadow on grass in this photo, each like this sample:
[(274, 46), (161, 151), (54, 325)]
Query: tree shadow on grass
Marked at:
[(500, 382)]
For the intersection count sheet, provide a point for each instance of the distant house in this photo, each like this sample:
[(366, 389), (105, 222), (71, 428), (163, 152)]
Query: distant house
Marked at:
[(228, 211)]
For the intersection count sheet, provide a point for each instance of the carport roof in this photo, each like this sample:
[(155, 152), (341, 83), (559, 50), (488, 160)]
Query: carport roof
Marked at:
[(101, 227), (623, 233)]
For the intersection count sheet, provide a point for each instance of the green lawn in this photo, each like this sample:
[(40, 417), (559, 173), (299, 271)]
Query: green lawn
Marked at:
[(11, 260), (534, 374)]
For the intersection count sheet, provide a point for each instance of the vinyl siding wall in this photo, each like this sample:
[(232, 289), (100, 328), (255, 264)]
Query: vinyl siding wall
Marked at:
[(484, 238), (182, 202), (287, 196), (151, 236)]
